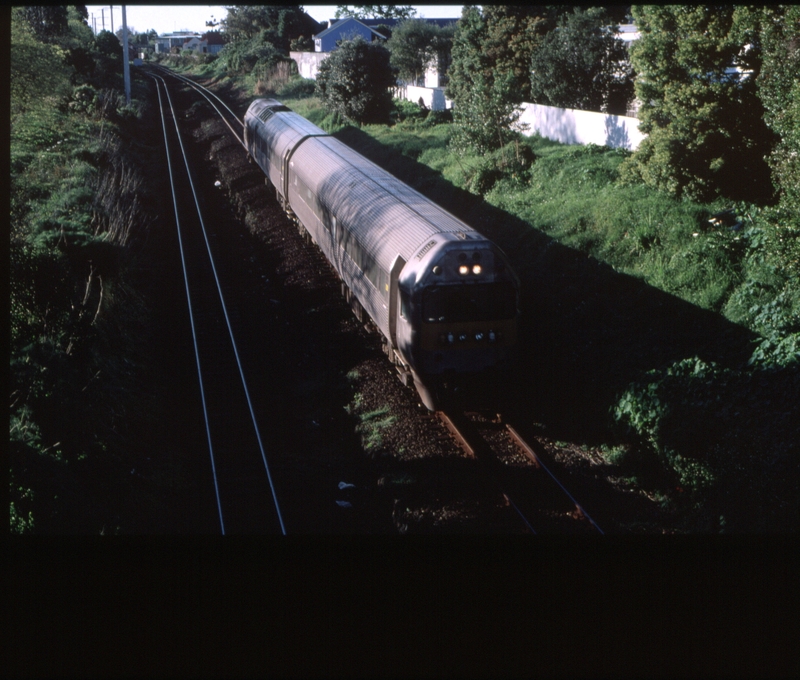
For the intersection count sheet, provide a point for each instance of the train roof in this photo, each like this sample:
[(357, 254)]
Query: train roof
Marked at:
[(281, 132), (387, 216)]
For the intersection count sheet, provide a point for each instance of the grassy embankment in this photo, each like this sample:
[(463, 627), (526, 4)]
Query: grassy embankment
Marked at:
[(84, 280)]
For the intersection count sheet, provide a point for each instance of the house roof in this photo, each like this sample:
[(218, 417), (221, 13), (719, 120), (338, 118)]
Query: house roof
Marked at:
[(373, 23), (341, 22)]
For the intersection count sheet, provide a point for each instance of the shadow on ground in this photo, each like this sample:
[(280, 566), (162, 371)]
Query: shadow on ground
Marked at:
[(586, 330)]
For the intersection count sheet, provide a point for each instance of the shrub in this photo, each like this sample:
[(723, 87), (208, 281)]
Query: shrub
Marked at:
[(355, 80), (298, 88), (242, 56)]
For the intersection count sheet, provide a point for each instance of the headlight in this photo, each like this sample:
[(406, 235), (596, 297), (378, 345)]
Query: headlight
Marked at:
[(463, 269), (476, 269)]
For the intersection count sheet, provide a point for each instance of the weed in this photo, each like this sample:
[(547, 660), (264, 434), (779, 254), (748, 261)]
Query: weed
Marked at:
[(372, 425)]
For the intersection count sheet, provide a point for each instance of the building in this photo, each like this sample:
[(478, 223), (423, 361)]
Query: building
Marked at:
[(345, 29), (164, 43)]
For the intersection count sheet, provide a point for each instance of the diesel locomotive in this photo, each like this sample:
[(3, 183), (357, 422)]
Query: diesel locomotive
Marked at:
[(444, 298)]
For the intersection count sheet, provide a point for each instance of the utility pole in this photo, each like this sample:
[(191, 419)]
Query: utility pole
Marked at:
[(111, 11), (126, 66), (103, 17)]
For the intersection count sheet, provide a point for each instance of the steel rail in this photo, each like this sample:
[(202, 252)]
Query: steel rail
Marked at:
[(529, 452), (197, 86), (461, 440), (206, 92), (189, 299), (230, 331)]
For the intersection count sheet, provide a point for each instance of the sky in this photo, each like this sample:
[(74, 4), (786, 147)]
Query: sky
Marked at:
[(169, 18)]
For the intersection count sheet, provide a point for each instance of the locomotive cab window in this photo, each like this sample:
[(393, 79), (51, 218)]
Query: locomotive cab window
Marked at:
[(474, 302), (405, 306)]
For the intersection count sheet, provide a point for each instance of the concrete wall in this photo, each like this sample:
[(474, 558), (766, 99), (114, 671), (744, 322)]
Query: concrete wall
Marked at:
[(432, 97), (308, 62), (571, 126)]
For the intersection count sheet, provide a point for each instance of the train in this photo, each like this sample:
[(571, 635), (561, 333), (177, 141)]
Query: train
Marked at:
[(443, 297)]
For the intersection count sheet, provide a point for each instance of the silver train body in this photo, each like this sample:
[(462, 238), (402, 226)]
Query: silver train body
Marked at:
[(443, 296)]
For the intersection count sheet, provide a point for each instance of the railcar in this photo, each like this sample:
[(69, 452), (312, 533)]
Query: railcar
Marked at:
[(443, 297)]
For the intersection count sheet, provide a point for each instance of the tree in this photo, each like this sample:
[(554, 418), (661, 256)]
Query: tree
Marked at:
[(37, 70), (49, 22), (79, 44), (582, 65), (513, 32), (486, 117), (375, 11), (276, 24), (355, 80), (414, 45), (779, 90), (486, 96), (704, 120)]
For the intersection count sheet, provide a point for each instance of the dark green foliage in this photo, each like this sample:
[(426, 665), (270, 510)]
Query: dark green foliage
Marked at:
[(375, 11), (512, 162), (244, 55), (582, 65), (486, 98), (302, 44), (355, 80), (779, 90), (513, 32), (75, 204), (275, 24), (414, 45), (49, 22), (108, 45), (706, 134), (486, 116), (84, 99), (705, 425), (404, 110)]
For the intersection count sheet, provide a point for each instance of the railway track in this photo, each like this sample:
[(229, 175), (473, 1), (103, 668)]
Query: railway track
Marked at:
[(245, 493), (540, 500)]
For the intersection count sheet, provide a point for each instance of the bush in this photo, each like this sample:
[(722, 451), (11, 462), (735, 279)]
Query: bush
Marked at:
[(84, 99), (355, 80), (438, 117), (403, 109), (512, 162), (242, 56), (298, 88)]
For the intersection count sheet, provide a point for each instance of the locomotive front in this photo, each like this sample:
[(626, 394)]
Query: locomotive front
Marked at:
[(458, 314)]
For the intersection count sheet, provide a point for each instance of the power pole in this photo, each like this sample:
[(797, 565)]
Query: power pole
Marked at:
[(111, 11), (103, 17), (126, 67)]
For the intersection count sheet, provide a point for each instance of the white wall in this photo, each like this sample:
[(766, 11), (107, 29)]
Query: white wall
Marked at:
[(308, 62), (432, 97), (571, 126)]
